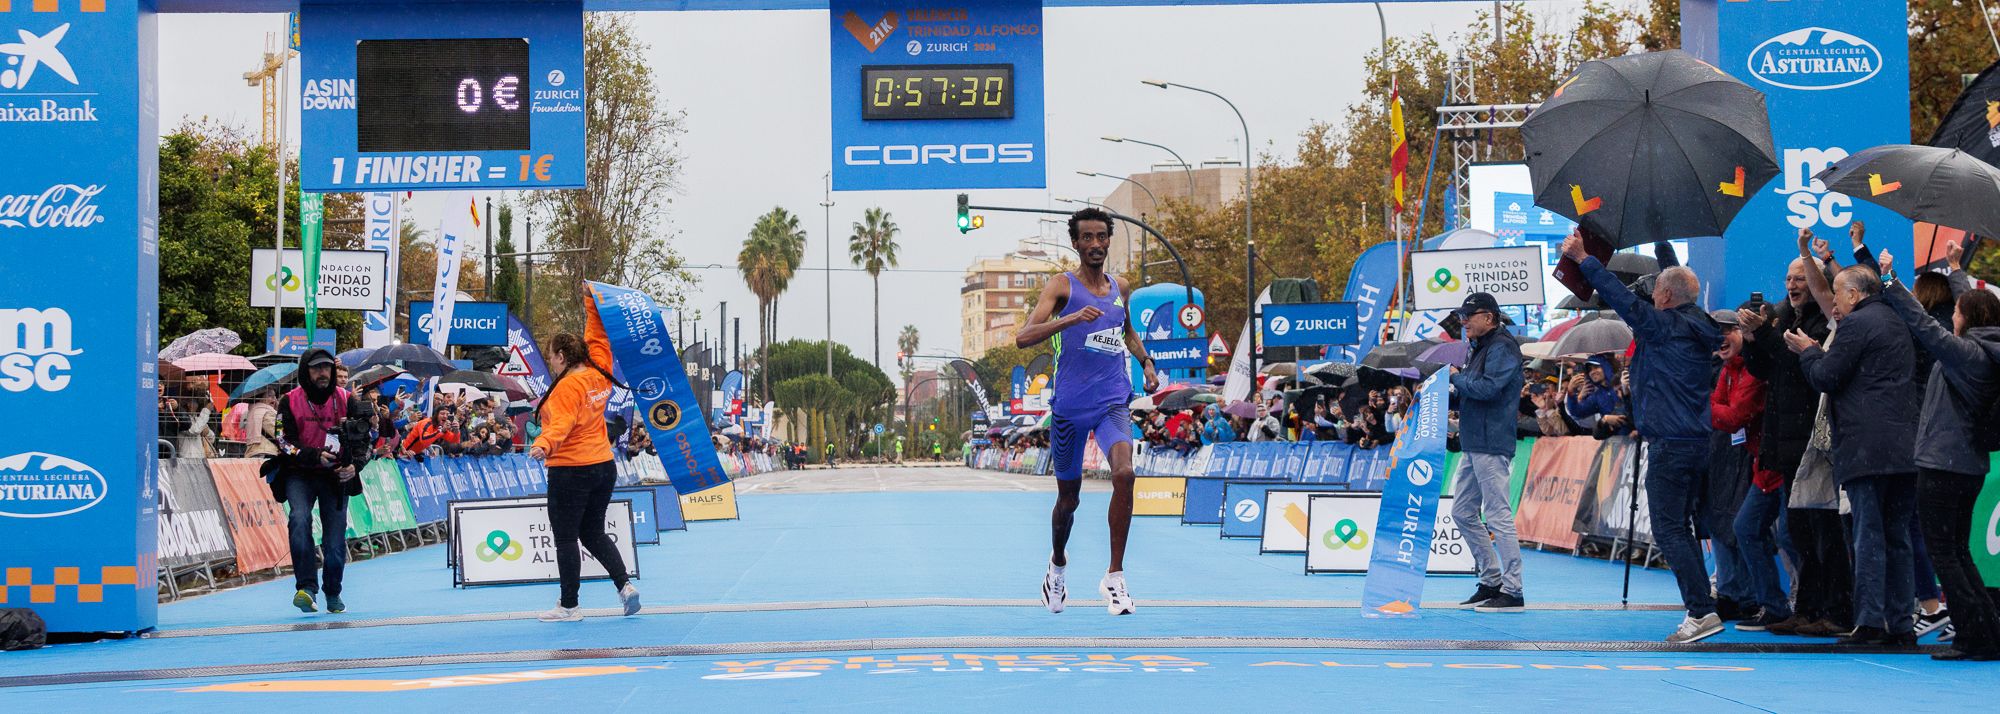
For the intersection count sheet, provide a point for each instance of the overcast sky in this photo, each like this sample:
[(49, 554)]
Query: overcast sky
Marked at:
[(749, 150)]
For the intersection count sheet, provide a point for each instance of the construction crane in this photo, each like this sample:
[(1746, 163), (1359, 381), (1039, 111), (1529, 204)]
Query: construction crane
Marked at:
[(266, 79)]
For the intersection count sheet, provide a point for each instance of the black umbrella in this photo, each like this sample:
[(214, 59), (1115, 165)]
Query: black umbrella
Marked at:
[(372, 376), (1182, 400), (1648, 147), (419, 360), (1969, 125), (1631, 266), (1943, 186), (485, 382), (1571, 303), (1394, 355)]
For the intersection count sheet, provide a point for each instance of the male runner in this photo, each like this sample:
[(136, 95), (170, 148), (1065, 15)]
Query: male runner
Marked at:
[(1091, 390)]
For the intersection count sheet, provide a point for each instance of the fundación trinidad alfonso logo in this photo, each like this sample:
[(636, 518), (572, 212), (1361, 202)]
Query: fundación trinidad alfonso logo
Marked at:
[(871, 35), (283, 276), (1815, 58), (1345, 534), (1443, 281), (498, 546)]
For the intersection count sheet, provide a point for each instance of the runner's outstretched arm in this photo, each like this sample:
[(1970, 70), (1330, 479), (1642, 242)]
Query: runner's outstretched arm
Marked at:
[(1040, 327)]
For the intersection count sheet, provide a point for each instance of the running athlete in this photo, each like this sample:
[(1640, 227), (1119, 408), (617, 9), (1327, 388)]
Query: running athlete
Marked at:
[(1085, 313)]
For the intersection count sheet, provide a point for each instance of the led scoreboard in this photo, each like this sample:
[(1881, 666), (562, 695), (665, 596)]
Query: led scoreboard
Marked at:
[(441, 96), (937, 97)]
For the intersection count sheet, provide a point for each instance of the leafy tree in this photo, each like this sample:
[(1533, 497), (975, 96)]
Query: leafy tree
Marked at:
[(859, 393), (632, 167), (872, 247), (769, 258), (506, 271)]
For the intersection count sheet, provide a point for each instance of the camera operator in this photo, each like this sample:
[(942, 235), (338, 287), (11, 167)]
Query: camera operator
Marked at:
[(325, 439)]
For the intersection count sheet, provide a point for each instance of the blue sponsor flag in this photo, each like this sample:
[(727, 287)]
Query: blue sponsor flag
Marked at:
[(1403, 530), (645, 354), (1370, 286), (1161, 326)]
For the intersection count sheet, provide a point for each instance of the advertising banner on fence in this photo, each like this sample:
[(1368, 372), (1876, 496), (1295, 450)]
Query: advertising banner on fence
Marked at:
[(348, 279), (1557, 470), (1286, 523), (1158, 495), (644, 352), (382, 230), (256, 523), (384, 503), (715, 504), (1513, 276), (192, 527), (1402, 549), (645, 513), (1340, 525), (498, 544)]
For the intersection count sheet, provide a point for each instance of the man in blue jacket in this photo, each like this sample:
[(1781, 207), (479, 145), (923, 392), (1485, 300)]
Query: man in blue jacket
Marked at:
[(1489, 393), (1672, 375)]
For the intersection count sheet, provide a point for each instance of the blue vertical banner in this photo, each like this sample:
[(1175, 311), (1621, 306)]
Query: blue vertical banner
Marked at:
[(1152, 311), (382, 230), (1402, 551), (1019, 388), (937, 97), (645, 354), (79, 204), (1812, 59), (1371, 285)]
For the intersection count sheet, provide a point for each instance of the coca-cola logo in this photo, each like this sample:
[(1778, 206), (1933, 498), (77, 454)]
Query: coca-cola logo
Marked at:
[(64, 205)]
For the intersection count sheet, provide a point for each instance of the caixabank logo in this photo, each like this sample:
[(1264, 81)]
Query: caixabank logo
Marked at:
[(38, 83), (1815, 58)]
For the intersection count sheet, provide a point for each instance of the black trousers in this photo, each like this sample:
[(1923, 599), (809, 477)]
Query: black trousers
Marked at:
[(1944, 502), (1826, 575), (578, 497)]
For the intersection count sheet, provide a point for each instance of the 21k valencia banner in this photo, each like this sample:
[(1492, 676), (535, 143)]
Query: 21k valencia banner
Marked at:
[(645, 354)]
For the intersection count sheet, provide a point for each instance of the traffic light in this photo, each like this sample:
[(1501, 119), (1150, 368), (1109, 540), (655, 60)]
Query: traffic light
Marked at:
[(933, 423), (899, 359), (966, 221)]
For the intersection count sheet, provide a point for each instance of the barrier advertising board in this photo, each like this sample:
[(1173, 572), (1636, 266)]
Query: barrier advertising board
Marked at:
[(1286, 522), (1341, 529), (511, 543)]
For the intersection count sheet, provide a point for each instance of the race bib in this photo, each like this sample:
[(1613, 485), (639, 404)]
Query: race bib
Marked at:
[(1741, 437), (1107, 341)]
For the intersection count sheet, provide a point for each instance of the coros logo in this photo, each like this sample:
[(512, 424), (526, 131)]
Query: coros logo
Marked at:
[(35, 348), (1247, 510), (1815, 58), (911, 154), (38, 485), (1345, 534), (664, 415), (498, 546), (1419, 472), (1280, 325)]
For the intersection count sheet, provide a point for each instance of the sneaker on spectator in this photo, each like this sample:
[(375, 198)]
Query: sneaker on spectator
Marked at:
[(1949, 633), (1926, 622), (562, 614), (1502, 603), (1484, 593), (1695, 629), (1763, 622), (334, 605), (303, 601)]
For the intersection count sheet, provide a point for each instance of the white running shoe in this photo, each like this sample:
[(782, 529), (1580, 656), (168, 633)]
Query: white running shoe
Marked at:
[(1116, 599), (562, 614), (629, 596), (1054, 588), (1694, 629)]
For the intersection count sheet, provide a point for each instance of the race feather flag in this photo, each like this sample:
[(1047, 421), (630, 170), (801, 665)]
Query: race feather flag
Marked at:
[(643, 351), (1404, 529), (1399, 150)]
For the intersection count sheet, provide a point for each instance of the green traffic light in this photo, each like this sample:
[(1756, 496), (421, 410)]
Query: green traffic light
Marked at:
[(964, 213)]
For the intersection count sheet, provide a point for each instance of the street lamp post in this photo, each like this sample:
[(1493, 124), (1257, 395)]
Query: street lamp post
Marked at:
[(1186, 170), (1145, 241), (1249, 241), (828, 206)]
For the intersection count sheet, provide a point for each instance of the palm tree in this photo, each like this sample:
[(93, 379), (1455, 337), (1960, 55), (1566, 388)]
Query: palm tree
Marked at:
[(769, 258), (873, 248), (907, 343)]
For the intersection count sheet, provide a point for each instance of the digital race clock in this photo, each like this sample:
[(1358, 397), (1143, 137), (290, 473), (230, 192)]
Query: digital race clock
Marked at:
[(441, 95), (937, 91)]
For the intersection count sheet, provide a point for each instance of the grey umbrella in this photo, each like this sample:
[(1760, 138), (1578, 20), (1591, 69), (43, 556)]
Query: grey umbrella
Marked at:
[(1595, 337), (214, 339), (419, 360), (1925, 183)]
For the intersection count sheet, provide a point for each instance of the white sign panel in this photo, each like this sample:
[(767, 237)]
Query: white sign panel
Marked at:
[(1286, 520), (348, 279), (1444, 277), (1340, 525), (512, 543)]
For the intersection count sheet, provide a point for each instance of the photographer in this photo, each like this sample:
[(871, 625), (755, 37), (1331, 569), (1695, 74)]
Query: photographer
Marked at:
[(325, 433)]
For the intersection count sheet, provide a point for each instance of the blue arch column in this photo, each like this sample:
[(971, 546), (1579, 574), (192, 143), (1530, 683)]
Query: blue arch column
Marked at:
[(79, 288)]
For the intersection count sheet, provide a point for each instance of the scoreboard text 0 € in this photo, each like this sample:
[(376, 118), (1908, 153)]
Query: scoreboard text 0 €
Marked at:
[(442, 96)]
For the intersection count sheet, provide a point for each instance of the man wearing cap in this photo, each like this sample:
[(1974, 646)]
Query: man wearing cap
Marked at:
[(1489, 389), (1672, 377), (317, 466)]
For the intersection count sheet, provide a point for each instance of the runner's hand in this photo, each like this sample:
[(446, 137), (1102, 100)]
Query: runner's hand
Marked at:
[(1152, 378), (1087, 314)]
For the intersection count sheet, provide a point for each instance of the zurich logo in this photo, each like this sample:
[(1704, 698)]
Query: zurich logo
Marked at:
[(1247, 510), (1280, 325), (1815, 58), (914, 48), (1420, 473)]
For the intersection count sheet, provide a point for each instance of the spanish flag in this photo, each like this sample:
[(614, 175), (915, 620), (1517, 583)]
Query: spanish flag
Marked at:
[(1399, 149), (472, 206)]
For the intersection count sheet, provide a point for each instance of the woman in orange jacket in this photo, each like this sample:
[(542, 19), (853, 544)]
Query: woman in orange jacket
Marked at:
[(577, 449)]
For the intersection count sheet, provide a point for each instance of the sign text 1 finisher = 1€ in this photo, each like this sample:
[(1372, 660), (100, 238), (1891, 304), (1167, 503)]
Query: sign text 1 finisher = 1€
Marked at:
[(437, 169)]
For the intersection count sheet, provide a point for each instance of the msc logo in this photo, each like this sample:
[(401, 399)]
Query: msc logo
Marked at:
[(1815, 58), (1280, 325), (1247, 510), (1419, 472), (35, 349), (664, 415), (1806, 197), (911, 154)]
